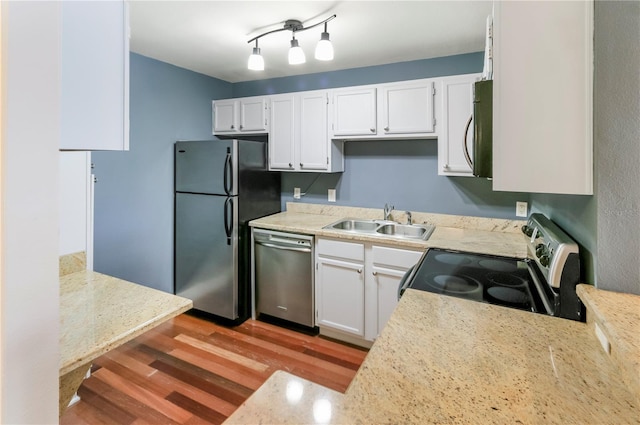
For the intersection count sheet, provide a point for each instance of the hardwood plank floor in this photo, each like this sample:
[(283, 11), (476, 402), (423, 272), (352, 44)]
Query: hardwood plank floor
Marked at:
[(192, 371)]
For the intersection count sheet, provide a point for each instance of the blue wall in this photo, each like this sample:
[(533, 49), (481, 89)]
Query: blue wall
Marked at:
[(425, 68), (134, 194), (404, 173)]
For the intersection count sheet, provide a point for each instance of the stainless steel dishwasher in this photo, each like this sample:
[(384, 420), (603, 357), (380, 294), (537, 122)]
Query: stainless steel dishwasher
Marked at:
[(284, 276)]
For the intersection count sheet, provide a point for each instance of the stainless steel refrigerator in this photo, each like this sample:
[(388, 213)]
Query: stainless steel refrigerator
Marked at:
[(220, 185)]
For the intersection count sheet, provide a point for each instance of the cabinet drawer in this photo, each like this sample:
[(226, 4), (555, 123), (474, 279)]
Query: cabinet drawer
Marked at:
[(395, 258), (344, 250)]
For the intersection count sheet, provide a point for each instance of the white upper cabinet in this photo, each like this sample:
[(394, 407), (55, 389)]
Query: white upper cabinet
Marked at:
[(543, 97), (354, 112), (240, 116), (314, 137), (456, 125), (384, 111), (95, 75), (298, 135), (282, 137), (408, 108)]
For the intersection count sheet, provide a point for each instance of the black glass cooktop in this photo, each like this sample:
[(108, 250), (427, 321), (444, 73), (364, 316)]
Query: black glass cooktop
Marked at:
[(479, 277)]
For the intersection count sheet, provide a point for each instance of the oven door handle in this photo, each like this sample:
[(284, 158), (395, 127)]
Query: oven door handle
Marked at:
[(404, 282)]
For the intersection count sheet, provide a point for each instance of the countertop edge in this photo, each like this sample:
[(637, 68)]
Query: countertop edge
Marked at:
[(180, 306), (623, 352)]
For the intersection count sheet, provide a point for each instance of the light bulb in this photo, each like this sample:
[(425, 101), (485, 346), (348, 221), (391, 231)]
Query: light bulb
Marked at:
[(256, 61), (296, 54), (324, 49)]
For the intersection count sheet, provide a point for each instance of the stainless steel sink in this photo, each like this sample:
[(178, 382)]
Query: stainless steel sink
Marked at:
[(383, 228), (402, 230), (355, 225)]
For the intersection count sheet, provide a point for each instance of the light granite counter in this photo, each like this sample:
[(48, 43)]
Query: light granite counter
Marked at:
[(474, 234), (99, 313), (618, 316), (448, 360)]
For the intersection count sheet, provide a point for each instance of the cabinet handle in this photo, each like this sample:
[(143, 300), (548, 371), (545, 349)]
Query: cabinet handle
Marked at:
[(290, 165), (373, 130), (232, 126), (359, 270), (386, 128), (374, 273), (241, 126), (301, 165)]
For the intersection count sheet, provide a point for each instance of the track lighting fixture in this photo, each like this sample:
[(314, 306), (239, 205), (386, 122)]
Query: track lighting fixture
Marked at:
[(324, 49)]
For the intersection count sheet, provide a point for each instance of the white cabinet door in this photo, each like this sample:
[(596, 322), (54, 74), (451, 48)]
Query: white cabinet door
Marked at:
[(253, 115), (385, 268), (224, 116), (340, 295), (543, 96), (387, 281), (456, 125), (314, 138), (354, 112), (282, 136), (95, 75), (408, 108)]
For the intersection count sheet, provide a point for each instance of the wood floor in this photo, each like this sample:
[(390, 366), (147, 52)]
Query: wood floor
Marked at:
[(192, 371)]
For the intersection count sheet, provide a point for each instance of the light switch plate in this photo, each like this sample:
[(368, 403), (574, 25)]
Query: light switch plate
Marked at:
[(521, 209), (296, 193), (331, 195)]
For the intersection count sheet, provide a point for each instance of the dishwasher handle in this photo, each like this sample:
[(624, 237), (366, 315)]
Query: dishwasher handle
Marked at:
[(283, 247)]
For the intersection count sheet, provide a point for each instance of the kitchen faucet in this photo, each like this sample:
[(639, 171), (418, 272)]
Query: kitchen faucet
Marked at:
[(387, 211)]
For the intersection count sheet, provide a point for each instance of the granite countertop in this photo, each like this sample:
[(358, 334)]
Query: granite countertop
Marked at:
[(481, 235), (447, 360), (100, 312)]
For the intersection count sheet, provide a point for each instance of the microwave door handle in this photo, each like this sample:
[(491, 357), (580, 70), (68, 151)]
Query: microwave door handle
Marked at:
[(465, 145)]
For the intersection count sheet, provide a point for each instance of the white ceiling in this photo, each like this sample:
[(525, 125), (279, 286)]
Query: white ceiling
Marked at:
[(211, 37)]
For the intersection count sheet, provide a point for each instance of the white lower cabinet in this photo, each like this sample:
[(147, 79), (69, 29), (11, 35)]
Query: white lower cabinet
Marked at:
[(356, 286), (385, 266), (340, 286)]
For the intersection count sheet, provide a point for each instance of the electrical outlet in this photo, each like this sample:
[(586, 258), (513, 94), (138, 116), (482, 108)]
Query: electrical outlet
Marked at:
[(296, 193), (521, 209), (331, 195)]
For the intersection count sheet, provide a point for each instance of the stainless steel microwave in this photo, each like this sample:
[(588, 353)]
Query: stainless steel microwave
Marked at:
[(482, 163)]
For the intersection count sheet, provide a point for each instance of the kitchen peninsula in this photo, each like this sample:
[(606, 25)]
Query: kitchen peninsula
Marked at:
[(99, 313), (446, 360)]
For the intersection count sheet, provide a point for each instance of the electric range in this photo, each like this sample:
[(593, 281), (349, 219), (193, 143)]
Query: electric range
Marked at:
[(544, 283)]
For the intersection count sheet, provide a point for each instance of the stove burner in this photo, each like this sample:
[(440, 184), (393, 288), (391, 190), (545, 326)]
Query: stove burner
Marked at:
[(510, 296), (498, 265), (452, 284), (505, 279), (452, 259)]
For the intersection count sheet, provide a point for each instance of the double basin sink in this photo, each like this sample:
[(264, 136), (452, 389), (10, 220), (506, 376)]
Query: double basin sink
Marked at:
[(383, 228)]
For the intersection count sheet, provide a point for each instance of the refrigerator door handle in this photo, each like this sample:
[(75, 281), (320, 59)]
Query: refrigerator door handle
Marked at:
[(228, 219), (228, 173)]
